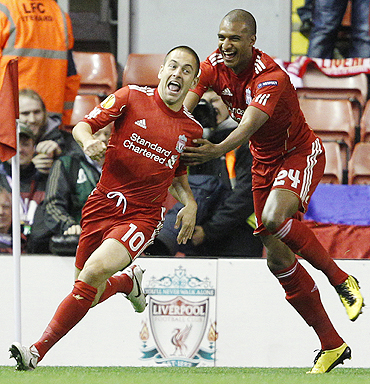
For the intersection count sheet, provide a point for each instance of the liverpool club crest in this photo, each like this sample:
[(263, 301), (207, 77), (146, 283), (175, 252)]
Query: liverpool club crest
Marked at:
[(178, 325), (181, 143)]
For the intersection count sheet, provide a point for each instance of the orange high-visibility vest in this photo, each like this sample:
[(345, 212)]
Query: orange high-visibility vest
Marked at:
[(40, 34), (230, 159)]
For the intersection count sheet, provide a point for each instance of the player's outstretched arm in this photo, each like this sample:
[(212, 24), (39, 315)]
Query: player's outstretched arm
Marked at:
[(252, 120), (186, 217), (91, 146)]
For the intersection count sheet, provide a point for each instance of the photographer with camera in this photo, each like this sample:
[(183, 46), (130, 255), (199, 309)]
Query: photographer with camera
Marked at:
[(222, 188)]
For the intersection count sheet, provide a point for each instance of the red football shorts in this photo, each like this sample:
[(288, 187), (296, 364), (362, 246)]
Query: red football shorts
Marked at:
[(108, 215), (299, 172)]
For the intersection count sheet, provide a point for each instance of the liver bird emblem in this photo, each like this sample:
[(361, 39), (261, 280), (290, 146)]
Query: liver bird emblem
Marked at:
[(179, 339)]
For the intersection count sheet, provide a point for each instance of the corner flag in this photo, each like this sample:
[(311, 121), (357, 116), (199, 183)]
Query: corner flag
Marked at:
[(9, 107)]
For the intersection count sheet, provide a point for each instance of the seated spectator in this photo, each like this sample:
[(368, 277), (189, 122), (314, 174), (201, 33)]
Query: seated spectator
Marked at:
[(56, 227), (6, 244), (222, 188), (50, 139), (32, 181)]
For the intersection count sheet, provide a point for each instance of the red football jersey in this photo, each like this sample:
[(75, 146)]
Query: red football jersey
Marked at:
[(264, 85), (143, 153)]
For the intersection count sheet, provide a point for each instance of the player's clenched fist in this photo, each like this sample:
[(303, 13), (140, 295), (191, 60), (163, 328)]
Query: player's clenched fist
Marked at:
[(95, 149)]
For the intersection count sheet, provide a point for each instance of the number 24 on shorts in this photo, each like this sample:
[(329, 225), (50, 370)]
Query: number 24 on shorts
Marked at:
[(292, 174)]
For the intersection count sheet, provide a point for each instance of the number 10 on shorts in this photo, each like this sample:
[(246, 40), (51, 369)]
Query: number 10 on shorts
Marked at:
[(135, 238)]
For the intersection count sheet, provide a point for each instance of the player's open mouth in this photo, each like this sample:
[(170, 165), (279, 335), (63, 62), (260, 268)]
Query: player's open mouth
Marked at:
[(174, 86), (228, 55)]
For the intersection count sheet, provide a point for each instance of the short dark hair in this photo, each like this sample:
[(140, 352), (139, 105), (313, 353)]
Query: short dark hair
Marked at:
[(188, 49), (243, 16)]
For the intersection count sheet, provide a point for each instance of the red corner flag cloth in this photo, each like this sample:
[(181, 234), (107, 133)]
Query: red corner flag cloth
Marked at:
[(9, 109)]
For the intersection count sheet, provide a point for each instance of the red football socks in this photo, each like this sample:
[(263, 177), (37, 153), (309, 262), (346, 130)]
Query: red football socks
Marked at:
[(118, 283), (71, 310), (303, 242), (303, 294)]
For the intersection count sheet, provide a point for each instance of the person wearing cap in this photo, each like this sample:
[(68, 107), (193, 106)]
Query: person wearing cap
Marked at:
[(32, 181)]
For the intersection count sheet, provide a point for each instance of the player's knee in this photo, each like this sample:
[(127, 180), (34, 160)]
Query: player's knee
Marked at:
[(93, 274), (271, 221)]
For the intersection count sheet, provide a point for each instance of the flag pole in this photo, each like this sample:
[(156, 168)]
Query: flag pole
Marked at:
[(9, 139), (16, 228)]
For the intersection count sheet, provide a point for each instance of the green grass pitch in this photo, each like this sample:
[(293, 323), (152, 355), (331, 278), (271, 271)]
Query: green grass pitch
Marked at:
[(148, 375)]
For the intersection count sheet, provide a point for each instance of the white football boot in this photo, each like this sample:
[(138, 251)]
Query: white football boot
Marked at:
[(137, 295), (26, 357)]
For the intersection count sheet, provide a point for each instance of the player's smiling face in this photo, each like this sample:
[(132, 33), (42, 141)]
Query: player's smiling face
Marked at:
[(235, 43), (177, 76)]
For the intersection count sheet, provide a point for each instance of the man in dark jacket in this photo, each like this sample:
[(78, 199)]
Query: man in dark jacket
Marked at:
[(222, 188), (229, 229), (71, 180)]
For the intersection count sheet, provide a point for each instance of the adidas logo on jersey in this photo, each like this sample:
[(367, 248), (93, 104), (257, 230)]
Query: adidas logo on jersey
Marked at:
[(141, 123), (226, 92)]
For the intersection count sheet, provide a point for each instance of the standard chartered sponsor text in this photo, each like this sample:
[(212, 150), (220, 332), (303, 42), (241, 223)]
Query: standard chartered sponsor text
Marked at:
[(140, 146)]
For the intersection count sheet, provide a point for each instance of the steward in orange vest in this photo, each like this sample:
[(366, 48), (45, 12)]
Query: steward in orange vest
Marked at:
[(40, 34)]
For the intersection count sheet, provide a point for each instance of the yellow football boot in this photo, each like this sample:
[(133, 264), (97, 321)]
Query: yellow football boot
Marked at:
[(350, 295), (325, 361)]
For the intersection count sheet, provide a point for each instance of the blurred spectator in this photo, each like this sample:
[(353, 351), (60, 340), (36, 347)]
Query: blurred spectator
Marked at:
[(40, 35), (222, 189), (51, 142), (56, 227), (5, 221), (327, 19), (6, 244), (32, 181)]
